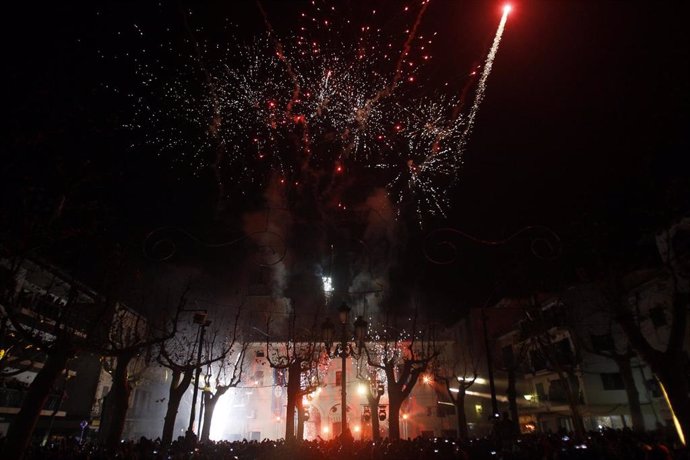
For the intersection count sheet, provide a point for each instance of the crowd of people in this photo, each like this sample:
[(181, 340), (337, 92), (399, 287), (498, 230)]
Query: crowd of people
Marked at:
[(599, 445)]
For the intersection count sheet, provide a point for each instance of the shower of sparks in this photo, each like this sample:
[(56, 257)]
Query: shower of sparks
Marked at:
[(315, 110)]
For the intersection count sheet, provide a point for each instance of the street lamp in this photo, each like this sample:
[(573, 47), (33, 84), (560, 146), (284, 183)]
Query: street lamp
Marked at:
[(344, 349)]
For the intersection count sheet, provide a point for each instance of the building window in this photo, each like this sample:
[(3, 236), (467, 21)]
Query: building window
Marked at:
[(612, 381), (338, 378), (478, 408), (541, 393)]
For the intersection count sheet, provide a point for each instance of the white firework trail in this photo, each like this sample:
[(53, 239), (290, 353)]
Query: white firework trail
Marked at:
[(481, 85)]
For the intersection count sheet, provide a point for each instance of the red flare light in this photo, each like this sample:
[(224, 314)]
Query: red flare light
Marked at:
[(507, 8)]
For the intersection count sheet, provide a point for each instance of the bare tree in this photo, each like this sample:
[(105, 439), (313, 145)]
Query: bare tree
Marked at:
[(669, 360), (228, 374), (185, 355), (591, 320), (556, 352), (301, 355), (133, 336), (61, 317), (375, 383), (403, 357), (457, 369)]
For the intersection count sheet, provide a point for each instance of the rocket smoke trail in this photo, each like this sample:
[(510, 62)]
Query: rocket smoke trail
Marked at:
[(481, 85)]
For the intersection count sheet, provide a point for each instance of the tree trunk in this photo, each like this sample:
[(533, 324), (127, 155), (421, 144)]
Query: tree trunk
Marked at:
[(463, 433), (210, 401), (393, 417), (178, 387), (300, 419), (625, 368), (293, 387), (118, 404), (290, 416), (574, 403), (375, 426), (511, 393), (21, 429)]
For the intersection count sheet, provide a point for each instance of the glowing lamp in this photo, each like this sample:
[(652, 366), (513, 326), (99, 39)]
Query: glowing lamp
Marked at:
[(358, 428), (426, 379), (405, 416), (326, 430), (380, 389), (361, 389)]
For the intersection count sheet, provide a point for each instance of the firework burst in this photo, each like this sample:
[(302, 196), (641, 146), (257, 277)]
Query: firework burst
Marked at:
[(336, 101)]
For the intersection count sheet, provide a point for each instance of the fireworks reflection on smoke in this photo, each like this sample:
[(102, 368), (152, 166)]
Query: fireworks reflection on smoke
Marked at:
[(322, 107)]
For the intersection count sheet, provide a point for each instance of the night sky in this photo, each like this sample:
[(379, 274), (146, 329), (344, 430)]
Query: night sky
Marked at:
[(585, 121)]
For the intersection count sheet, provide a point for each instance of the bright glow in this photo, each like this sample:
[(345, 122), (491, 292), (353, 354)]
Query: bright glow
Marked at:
[(277, 419), (326, 430), (358, 428), (405, 416), (478, 380), (507, 8), (486, 395), (676, 422), (361, 389), (327, 284), (222, 426), (529, 397), (426, 379)]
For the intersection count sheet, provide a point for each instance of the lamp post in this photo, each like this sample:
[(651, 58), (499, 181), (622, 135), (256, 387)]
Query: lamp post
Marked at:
[(344, 350), (200, 319)]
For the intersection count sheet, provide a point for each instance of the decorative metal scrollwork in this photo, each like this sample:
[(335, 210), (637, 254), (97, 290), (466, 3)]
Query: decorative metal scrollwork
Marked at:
[(440, 248), (161, 244)]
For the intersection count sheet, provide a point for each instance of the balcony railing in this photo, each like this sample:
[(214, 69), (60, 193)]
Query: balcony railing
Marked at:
[(10, 397)]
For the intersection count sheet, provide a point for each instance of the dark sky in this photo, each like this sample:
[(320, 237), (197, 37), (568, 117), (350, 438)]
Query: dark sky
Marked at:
[(585, 117)]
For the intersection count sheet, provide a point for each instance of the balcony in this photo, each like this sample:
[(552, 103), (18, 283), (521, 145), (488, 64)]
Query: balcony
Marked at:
[(11, 400)]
